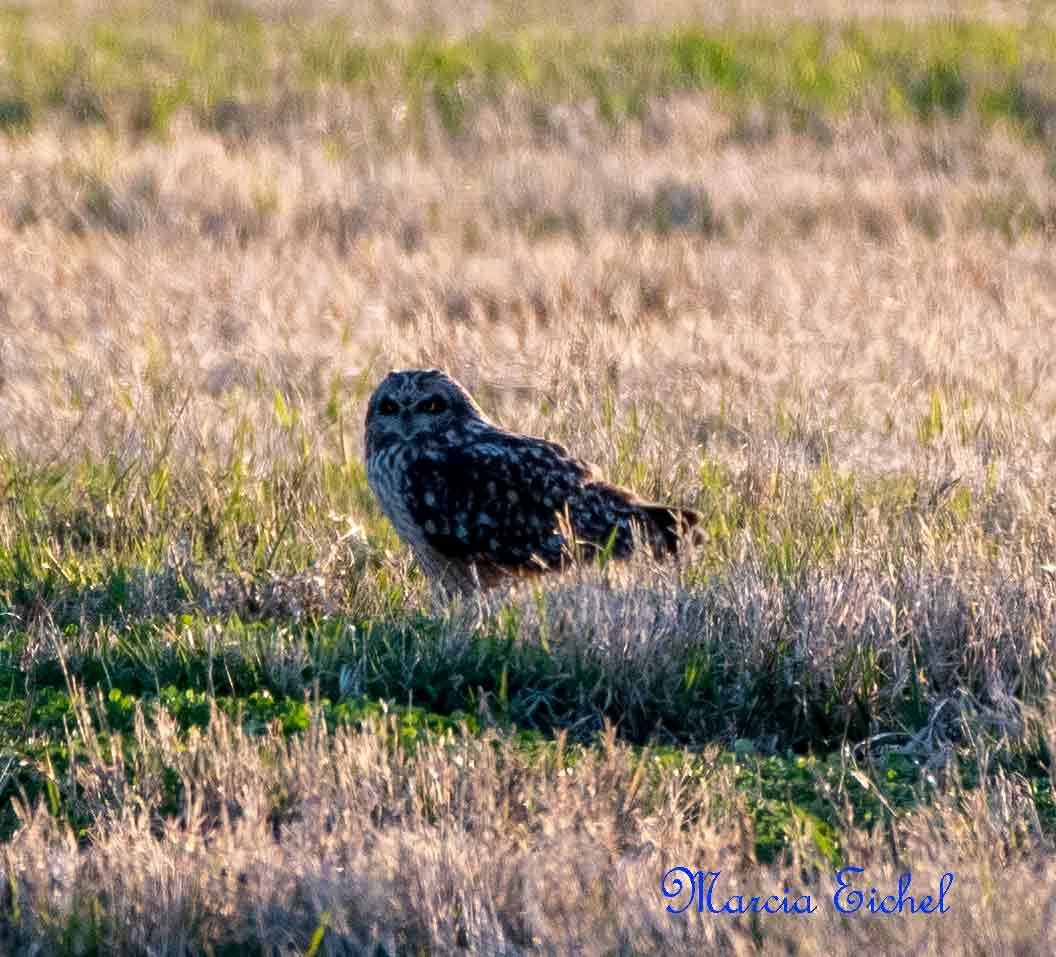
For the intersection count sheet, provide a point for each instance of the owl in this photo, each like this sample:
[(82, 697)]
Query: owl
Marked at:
[(478, 504)]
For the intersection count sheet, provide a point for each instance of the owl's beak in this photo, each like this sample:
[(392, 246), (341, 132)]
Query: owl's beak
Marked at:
[(405, 423)]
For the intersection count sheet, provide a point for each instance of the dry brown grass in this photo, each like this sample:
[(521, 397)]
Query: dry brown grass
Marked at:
[(408, 18), (835, 287), (468, 848)]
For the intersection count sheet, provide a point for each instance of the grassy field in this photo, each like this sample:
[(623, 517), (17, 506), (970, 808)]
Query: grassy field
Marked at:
[(797, 274)]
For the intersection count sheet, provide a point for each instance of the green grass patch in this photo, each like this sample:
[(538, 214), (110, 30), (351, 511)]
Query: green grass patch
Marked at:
[(137, 72)]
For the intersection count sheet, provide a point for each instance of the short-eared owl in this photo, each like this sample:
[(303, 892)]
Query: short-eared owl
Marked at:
[(477, 503)]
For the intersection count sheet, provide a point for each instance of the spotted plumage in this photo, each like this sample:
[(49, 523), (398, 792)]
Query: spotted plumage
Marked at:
[(477, 503)]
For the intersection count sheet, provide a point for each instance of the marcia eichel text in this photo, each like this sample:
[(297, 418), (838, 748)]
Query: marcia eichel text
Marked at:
[(686, 887)]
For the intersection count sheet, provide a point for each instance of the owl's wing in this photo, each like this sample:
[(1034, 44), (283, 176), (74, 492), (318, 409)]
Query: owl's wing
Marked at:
[(495, 500)]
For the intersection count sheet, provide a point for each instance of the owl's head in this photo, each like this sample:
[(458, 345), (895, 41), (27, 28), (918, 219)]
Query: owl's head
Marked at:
[(415, 404)]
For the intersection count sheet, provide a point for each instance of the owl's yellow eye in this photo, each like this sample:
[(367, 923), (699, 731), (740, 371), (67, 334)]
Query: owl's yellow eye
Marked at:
[(387, 407), (433, 404)]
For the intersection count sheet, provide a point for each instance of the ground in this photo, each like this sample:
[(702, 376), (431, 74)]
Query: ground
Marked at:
[(794, 273)]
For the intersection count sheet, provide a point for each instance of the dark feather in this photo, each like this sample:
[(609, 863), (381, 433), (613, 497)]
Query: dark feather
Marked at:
[(673, 524), (502, 502), (495, 501)]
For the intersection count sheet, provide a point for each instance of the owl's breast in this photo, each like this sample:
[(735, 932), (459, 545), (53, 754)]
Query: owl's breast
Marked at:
[(388, 477)]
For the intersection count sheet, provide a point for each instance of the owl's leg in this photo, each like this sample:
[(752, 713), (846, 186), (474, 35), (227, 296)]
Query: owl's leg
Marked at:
[(458, 578)]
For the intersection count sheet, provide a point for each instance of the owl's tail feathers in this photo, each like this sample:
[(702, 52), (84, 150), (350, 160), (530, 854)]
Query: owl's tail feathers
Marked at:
[(676, 526)]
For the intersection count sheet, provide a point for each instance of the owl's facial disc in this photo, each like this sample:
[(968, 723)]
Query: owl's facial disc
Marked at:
[(419, 403), (413, 417)]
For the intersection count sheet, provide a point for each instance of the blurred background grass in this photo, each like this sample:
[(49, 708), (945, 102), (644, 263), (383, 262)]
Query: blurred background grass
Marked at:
[(133, 68)]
